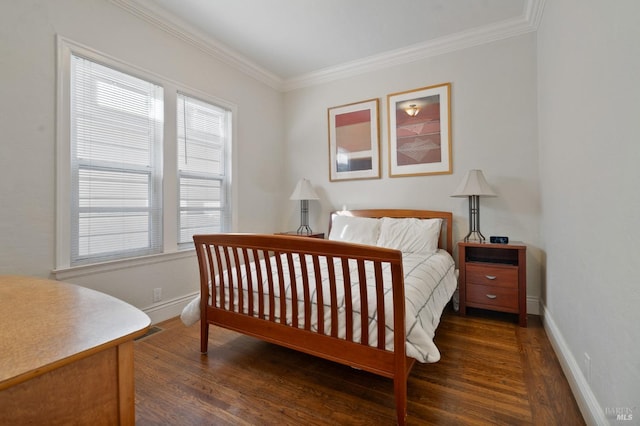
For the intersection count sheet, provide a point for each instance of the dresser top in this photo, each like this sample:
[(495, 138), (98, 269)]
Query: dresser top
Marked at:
[(47, 324)]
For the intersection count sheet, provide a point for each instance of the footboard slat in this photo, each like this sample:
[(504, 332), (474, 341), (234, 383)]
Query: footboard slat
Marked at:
[(333, 303), (294, 291), (319, 296), (236, 262), (348, 301), (220, 277), (364, 304), (207, 275), (281, 288), (259, 285), (269, 275), (382, 339), (229, 275), (306, 297), (247, 271)]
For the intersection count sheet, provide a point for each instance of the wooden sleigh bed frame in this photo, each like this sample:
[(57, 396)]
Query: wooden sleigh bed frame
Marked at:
[(220, 252)]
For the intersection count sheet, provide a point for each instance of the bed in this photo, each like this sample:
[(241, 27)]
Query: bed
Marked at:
[(370, 296)]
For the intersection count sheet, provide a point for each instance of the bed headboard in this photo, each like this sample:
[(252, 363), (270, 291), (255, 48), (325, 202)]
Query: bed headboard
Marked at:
[(446, 232)]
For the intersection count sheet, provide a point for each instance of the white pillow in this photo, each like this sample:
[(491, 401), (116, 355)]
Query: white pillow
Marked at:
[(359, 230), (410, 235)]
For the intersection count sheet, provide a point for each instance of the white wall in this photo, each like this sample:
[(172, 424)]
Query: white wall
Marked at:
[(494, 107), (28, 30), (589, 103), (579, 185)]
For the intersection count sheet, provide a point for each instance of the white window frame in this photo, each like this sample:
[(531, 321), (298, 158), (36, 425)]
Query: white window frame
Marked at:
[(224, 179), (150, 169), (170, 197)]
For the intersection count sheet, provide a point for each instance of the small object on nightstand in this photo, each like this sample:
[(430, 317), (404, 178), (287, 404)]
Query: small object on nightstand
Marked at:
[(499, 240), (493, 277)]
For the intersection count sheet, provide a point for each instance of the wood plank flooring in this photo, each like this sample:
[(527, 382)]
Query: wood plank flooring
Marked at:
[(492, 372)]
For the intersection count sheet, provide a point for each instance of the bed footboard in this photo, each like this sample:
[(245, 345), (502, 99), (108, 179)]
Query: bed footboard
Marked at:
[(325, 298)]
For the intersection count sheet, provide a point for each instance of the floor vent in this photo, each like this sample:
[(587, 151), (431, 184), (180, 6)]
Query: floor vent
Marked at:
[(152, 330)]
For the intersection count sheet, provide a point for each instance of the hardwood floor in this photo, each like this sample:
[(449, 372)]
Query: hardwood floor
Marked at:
[(491, 372)]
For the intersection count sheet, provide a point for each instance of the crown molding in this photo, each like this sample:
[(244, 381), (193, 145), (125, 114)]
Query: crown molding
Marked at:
[(528, 22), (187, 33), (533, 12)]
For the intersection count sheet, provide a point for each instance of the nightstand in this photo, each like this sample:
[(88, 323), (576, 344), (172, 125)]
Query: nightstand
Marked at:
[(295, 234), (493, 277)]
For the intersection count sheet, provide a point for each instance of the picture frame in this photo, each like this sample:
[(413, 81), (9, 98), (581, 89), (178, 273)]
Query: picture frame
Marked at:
[(354, 141), (420, 131)]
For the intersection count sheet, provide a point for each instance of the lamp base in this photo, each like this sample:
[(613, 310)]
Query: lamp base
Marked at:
[(304, 218), (474, 234), (474, 237), (304, 230)]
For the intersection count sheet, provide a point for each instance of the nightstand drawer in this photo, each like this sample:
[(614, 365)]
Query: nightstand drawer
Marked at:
[(498, 298), (492, 275)]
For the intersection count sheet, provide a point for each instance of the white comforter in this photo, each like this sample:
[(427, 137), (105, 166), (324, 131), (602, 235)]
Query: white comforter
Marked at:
[(429, 284)]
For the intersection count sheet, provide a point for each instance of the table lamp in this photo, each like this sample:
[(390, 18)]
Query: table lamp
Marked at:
[(473, 186), (304, 192)]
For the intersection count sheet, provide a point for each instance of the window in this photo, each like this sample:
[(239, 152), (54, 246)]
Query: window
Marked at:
[(143, 162), (202, 171), (116, 142)]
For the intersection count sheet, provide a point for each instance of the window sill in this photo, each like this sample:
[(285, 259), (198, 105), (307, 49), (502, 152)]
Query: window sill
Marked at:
[(115, 265)]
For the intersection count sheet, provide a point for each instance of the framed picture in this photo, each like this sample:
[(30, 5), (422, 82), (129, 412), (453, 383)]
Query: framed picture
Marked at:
[(354, 141), (420, 131)]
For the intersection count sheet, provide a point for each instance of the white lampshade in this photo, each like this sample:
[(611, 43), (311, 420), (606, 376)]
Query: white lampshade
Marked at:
[(304, 191), (473, 183)]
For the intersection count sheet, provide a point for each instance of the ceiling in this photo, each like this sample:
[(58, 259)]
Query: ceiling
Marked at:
[(289, 43)]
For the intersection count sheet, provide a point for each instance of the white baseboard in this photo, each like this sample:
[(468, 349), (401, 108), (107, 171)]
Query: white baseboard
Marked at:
[(587, 402), (169, 309), (533, 305)]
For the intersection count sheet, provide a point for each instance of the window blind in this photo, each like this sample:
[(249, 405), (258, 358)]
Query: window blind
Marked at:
[(116, 142), (202, 141)]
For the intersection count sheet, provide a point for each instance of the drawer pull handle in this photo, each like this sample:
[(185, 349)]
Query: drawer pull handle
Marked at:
[(490, 277), (492, 296)]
